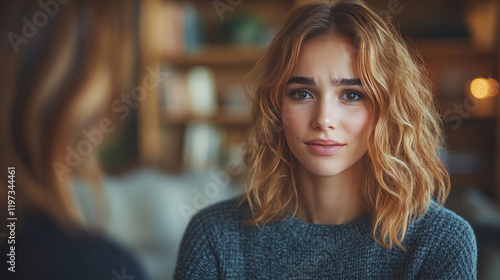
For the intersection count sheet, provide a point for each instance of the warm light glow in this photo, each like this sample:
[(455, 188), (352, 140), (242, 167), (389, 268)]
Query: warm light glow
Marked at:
[(493, 87), (482, 88)]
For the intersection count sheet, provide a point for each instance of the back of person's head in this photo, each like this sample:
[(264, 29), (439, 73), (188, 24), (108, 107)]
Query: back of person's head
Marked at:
[(63, 63)]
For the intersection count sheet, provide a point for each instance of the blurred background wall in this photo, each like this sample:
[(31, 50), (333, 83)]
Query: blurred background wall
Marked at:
[(182, 143)]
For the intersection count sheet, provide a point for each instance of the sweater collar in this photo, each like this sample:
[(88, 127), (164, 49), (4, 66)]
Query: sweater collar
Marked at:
[(355, 231)]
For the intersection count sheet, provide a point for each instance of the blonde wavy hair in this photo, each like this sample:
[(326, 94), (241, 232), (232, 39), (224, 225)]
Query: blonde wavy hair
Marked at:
[(403, 170)]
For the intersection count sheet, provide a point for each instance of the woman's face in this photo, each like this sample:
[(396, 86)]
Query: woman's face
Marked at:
[(325, 110)]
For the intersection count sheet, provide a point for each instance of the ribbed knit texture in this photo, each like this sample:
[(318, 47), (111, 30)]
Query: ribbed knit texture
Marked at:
[(218, 245)]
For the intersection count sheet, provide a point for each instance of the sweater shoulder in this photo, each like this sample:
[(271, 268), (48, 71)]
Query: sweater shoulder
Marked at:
[(445, 233), (446, 243), (225, 214), (444, 223), (206, 234)]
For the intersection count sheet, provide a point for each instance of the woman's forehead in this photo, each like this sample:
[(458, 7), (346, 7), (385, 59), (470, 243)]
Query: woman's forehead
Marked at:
[(331, 55)]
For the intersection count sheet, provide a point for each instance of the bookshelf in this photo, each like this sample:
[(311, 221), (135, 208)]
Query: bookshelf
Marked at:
[(221, 62), (216, 55), (451, 63), (220, 119)]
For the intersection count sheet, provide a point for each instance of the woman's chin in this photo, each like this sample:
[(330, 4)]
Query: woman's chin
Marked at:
[(323, 171)]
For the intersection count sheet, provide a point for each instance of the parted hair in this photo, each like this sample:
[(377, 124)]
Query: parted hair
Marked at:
[(403, 171)]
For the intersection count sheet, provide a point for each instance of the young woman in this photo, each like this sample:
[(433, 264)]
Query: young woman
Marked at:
[(344, 180)]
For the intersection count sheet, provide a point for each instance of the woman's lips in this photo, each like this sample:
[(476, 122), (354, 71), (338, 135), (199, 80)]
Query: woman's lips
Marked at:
[(324, 147)]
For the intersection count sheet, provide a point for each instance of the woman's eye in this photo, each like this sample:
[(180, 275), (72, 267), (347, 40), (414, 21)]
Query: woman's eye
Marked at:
[(352, 96), (301, 94)]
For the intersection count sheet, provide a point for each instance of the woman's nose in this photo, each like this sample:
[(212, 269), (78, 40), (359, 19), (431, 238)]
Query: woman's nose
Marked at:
[(324, 118)]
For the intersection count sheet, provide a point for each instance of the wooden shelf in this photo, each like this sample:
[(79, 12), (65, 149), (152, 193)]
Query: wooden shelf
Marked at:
[(217, 55), (450, 48), (484, 109), (221, 119), (476, 180)]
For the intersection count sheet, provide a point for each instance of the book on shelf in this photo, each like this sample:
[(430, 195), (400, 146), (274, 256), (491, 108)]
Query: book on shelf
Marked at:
[(175, 100), (183, 27), (189, 94), (202, 147), (202, 91)]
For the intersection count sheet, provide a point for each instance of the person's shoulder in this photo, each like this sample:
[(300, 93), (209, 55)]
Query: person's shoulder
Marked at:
[(443, 227), (445, 245), (229, 214), (209, 231), (55, 253), (441, 219)]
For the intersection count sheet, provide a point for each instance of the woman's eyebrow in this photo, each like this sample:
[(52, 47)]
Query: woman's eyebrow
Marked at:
[(335, 82), (347, 82), (301, 80)]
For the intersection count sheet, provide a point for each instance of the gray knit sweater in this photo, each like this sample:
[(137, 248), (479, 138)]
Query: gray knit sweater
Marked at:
[(218, 245)]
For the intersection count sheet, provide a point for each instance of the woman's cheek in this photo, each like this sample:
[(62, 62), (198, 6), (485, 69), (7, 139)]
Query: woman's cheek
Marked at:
[(289, 115), (358, 122)]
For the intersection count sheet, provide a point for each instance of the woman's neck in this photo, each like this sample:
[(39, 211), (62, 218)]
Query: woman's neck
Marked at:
[(330, 200)]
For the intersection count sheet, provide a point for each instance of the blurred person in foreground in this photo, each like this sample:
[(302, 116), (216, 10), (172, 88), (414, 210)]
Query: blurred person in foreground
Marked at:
[(63, 62)]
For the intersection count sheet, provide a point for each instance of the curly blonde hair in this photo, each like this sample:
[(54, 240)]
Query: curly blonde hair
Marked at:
[(403, 170)]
